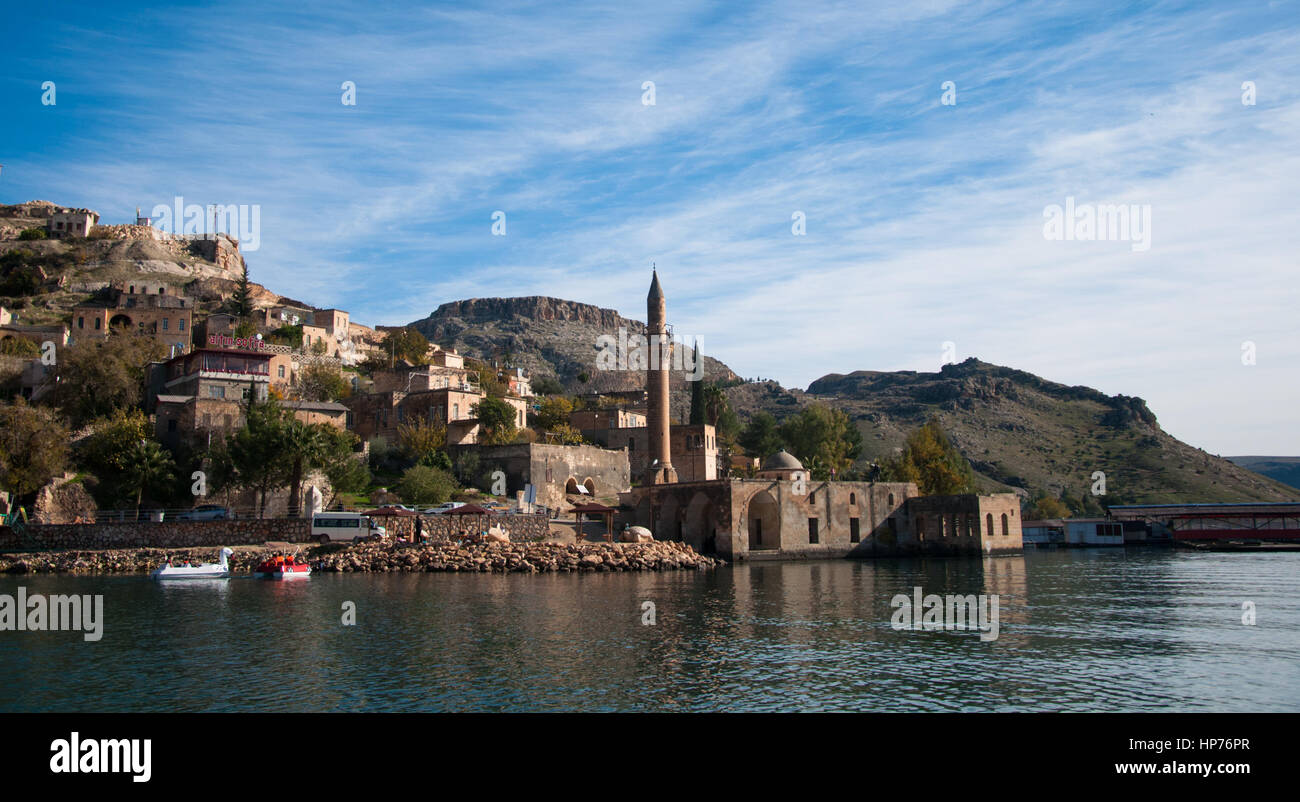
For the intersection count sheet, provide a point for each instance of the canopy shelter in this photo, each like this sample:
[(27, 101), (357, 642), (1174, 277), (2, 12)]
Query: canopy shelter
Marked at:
[(597, 512), (391, 512), (472, 509)]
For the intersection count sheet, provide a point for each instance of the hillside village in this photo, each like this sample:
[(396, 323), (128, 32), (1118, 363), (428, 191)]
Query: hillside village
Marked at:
[(424, 421), (214, 342)]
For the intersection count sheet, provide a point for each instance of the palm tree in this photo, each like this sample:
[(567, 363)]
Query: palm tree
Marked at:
[(303, 445), (146, 466)]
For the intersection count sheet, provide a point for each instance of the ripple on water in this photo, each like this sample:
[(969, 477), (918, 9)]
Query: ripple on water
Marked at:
[(1086, 630)]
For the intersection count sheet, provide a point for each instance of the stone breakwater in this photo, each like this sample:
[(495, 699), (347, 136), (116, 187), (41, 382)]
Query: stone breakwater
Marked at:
[(387, 558), (516, 557)]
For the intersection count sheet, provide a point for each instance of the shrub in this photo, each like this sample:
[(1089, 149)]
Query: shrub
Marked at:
[(425, 485), (32, 233)]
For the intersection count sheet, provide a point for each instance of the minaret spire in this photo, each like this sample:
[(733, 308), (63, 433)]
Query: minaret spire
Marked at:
[(660, 470)]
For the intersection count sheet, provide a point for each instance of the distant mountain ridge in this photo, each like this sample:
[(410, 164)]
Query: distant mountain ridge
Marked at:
[(1284, 469)]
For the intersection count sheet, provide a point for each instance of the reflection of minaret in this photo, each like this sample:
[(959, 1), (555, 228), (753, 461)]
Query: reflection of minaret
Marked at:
[(656, 385)]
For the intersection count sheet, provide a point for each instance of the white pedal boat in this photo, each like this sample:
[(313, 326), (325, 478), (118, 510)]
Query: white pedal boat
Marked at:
[(219, 570)]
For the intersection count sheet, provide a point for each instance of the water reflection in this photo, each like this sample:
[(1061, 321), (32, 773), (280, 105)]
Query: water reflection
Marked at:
[(1077, 631)]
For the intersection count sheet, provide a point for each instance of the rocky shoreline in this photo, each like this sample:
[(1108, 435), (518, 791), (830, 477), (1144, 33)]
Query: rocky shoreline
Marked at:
[(386, 558)]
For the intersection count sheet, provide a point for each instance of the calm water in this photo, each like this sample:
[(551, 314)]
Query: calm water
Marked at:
[(1080, 630)]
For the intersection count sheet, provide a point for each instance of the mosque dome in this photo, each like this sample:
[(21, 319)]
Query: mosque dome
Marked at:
[(782, 461)]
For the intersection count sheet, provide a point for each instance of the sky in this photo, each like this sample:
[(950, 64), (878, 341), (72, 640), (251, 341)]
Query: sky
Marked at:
[(823, 187)]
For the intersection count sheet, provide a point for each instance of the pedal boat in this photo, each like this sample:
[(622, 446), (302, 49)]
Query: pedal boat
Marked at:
[(219, 570), (281, 567)]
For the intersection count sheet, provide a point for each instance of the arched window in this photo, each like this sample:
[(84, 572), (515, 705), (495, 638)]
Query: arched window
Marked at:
[(1006, 529), (891, 501), (853, 498), (988, 523)]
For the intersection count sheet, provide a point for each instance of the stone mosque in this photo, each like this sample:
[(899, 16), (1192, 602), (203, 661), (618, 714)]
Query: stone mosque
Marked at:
[(783, 513)]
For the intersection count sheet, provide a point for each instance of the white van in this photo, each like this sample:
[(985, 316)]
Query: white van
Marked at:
[(328, 526)]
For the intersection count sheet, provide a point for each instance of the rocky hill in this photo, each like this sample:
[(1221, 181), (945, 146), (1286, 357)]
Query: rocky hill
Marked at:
[(1023, 432), (68, 271), (548, 337)]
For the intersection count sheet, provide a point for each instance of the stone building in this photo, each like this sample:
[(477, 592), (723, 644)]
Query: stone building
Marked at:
[(416, 378), (610, 418), (693, 448), (204, 393), (72, 223), (784, 513), (379, 414), (148, 307), (555, 470)]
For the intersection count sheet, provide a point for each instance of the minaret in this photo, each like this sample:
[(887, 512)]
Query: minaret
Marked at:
[(660, 469)]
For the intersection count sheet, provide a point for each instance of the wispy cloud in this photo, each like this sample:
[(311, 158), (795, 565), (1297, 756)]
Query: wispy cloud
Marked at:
[(924, 220)]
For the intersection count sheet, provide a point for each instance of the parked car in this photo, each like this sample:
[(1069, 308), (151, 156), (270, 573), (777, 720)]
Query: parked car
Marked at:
[(207, 512), (445, 507)]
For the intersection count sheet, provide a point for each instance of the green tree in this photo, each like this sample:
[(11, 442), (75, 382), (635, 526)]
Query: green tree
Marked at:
[(345, 469), (1045, 507), (497, 421), (33, 447), (241, 301), (147, 468), (244, 329), (552, 413), (259, 452), (547, 385), (421, 440), (824, 439), (697, 393), (423, 484), (32, 234), (761, 437), (931, 461), (20, 347), (322, 383), (289, 335), (566, 434), (97, 377), (105, 452), (406, 343)]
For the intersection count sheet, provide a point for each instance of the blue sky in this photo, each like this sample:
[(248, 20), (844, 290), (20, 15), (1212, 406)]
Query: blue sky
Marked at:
[(924, 221)]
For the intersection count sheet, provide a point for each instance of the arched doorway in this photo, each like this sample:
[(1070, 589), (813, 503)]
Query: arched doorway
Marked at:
[(590, 484), (119, 322), (571, 486), (698, 530), (668, 525), (763, 517)]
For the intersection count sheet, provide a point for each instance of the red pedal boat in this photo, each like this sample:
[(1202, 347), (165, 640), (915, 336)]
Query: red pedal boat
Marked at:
[(281, 567)]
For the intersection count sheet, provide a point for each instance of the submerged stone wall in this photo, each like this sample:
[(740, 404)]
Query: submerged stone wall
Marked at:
[(247, 531), (165, 534)]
